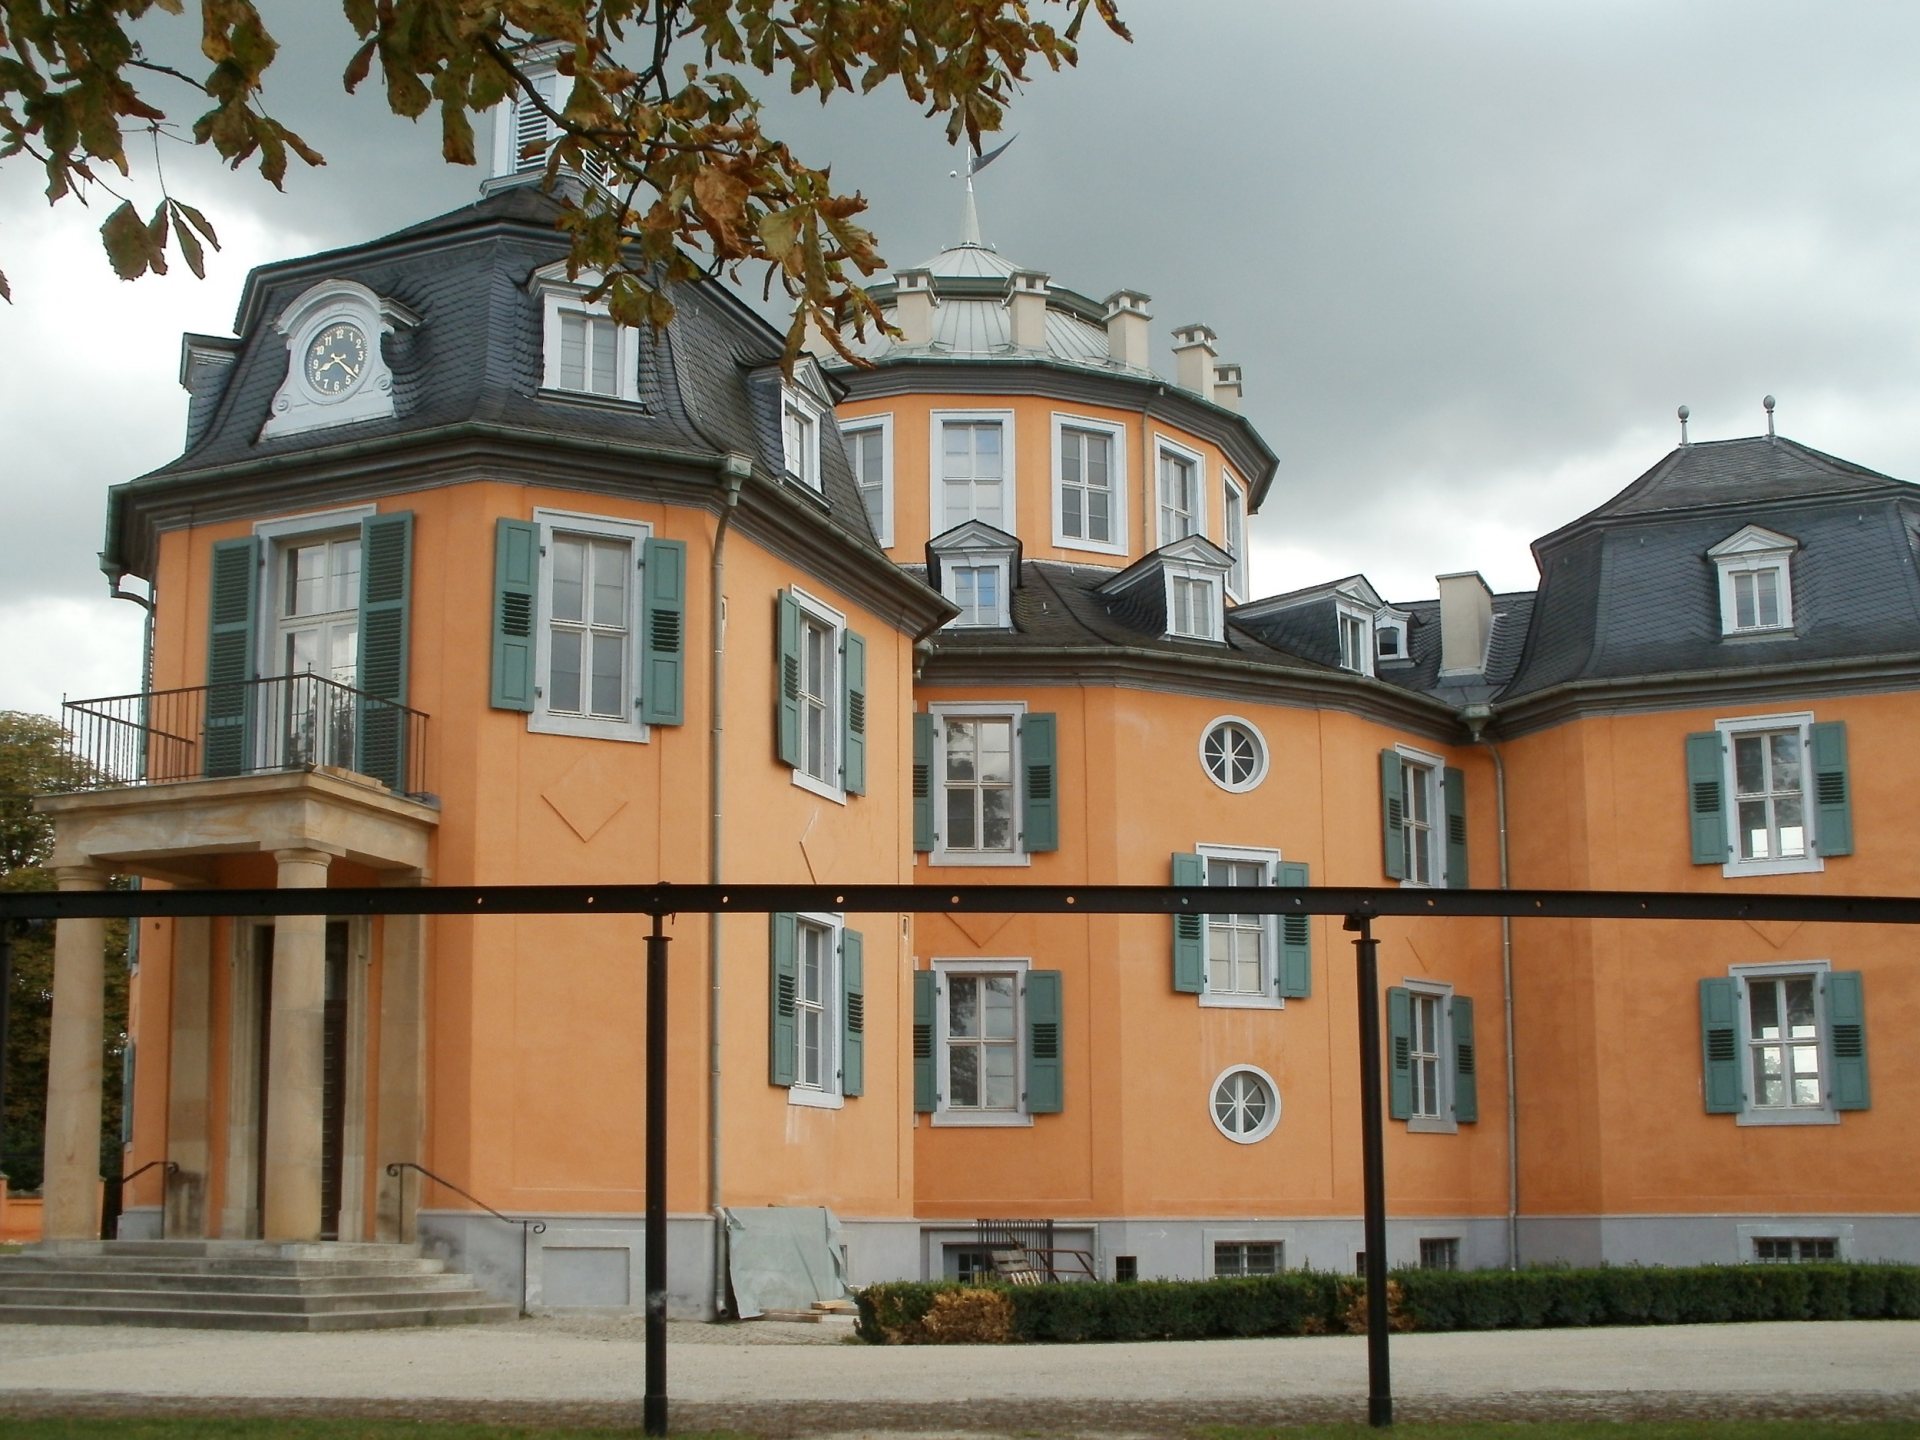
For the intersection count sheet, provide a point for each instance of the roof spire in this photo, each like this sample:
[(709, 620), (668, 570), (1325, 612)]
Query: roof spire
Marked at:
[(976, 162), (1766, 404), (1683, 412)]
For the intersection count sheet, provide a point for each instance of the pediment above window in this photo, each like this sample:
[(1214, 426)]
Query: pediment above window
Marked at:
[(337, 371), (1753, 540)]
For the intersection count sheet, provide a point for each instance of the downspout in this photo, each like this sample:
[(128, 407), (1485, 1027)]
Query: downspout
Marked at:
[(1477, 717), (734, 470), (1149, 495)]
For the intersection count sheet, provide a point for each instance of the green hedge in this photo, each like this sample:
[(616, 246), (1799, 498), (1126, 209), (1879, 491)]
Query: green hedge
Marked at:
[(1306, 1302)]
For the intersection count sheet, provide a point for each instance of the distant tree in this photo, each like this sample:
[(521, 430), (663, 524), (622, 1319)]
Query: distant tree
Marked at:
[(689, 171), (34, 761)]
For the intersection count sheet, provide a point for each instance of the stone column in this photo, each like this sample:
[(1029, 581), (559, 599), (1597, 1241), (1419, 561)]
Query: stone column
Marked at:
[(71, 1186), (401, 1107), (189, 1055), (295, 1069)]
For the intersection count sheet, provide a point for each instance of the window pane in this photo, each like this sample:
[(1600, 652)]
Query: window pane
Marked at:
[(1763, 1009), (963, 1076), (1000, 1092), (1766, 590), (1749, 764), (998, 996), (602, 332), (1786, 760), (962, 831), (345, 556), (565, 679), (963, 1006), (609, 582), (1753, 831), (1099, 516), (1799, 990), (996, 751), (569, 578), (996, 819), (573, 350), (608, 679)]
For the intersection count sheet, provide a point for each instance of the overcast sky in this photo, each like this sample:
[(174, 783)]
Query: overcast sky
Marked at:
[(1471, 255)]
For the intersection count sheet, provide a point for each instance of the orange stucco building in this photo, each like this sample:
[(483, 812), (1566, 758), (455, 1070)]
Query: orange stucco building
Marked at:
[(456, 582)]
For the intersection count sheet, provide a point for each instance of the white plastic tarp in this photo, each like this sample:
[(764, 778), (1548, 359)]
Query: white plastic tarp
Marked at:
[(784, 1257)]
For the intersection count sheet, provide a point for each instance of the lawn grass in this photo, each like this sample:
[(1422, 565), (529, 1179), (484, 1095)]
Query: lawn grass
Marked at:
[(286, 1428)]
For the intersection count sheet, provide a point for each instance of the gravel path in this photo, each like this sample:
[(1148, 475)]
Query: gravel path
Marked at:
[(784, 1379)]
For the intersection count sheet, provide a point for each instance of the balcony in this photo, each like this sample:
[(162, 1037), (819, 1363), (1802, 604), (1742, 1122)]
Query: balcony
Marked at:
[(287, 723)]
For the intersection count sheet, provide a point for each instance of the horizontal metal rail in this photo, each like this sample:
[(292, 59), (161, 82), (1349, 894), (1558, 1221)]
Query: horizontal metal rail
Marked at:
[(662, 900)]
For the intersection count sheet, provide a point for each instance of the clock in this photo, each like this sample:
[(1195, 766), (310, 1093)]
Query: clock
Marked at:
[(336, 358)]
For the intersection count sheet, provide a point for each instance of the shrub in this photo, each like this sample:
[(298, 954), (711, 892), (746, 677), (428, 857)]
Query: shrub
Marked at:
[(894, 1313), (971, 1315)]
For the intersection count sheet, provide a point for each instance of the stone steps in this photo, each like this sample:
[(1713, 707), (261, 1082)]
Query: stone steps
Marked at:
[(242, 1285)]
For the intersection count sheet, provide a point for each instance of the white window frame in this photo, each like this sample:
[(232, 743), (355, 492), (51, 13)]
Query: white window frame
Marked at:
[(1748, 554), (881, 425), (1260, 753), (560, 297), (1164, 447), (542, 719), (1178, 573), (800, 423), (1116, 478), (1354, 621), (997, 618), (276, 538), (1443, 1121), (944, 971), (1434, 783), (1751, 1111), (1234, 515), (1267, 1126), (1810, 859), (937, 422), (829, 1094), (1014, 712), (1267, 997), (1398, 630), (823, 616)]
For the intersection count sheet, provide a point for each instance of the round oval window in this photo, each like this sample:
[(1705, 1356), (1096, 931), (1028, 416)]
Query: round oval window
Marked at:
[(1245, 1104), (1234, 754)]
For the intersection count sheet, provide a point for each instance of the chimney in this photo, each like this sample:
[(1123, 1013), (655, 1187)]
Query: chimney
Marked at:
[(1226, 386), (1027, 298), (1466, 623), (1193, 357), (1126, 320), (913, 306)]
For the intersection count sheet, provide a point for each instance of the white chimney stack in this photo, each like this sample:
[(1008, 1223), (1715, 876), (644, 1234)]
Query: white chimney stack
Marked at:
[(913, 306), (1027, 299), (1193, 357), (1226, 386), (1127, 320), (1466, 623)]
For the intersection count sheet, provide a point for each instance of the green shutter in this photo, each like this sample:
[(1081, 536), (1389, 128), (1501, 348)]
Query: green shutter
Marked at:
[(853, 713), (386, 585), (1045, 1083), (1189, 930), (1392, 816), (1296, 938), (787, 681), (853, 1014), (1833, 797), (663, 623), (922, 783), (1453, 784), (516, 573), (1847, 1040), (126, 1090), (231, 607), (1399, 1053), (1706, 809), (924, 1094), (783, 973), (1039, 784), (1466, 1086), (1720, 1045)]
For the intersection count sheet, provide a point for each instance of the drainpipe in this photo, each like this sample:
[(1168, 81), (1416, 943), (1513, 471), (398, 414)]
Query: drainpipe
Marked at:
[(1149, 496), (734, 470), (1477, 717)]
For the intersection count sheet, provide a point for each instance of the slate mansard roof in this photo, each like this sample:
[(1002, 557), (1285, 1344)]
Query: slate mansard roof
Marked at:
[(473, 366), (1628, 591)]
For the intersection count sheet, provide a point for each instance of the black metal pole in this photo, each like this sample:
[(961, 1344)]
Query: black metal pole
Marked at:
[(6, 1021), (655, 1409), (1373, 1151)]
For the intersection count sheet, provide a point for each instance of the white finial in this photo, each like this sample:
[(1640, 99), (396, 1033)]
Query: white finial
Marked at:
[(1683, 413), (1766, 403)]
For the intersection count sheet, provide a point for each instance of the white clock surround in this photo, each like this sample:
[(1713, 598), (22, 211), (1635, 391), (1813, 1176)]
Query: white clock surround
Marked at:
[(299, 405)]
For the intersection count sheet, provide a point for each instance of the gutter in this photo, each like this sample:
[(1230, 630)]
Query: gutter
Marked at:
[(1477, 717)]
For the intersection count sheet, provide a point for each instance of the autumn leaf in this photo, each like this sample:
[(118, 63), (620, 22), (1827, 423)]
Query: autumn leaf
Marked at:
[(126, 240)]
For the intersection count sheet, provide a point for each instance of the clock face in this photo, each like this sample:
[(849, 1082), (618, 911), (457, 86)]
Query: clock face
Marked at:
[(336, 358)]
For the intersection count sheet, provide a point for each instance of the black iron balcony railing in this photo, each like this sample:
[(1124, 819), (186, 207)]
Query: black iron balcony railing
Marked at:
[(286, 722)]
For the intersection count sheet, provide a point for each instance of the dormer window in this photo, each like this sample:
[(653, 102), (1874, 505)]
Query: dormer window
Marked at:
[(1194, 602), (1390, 639), (800, 437), (524, 135), (1185, 581), (585, 352), (1756, 581), (1356, 637), (975, 566)]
